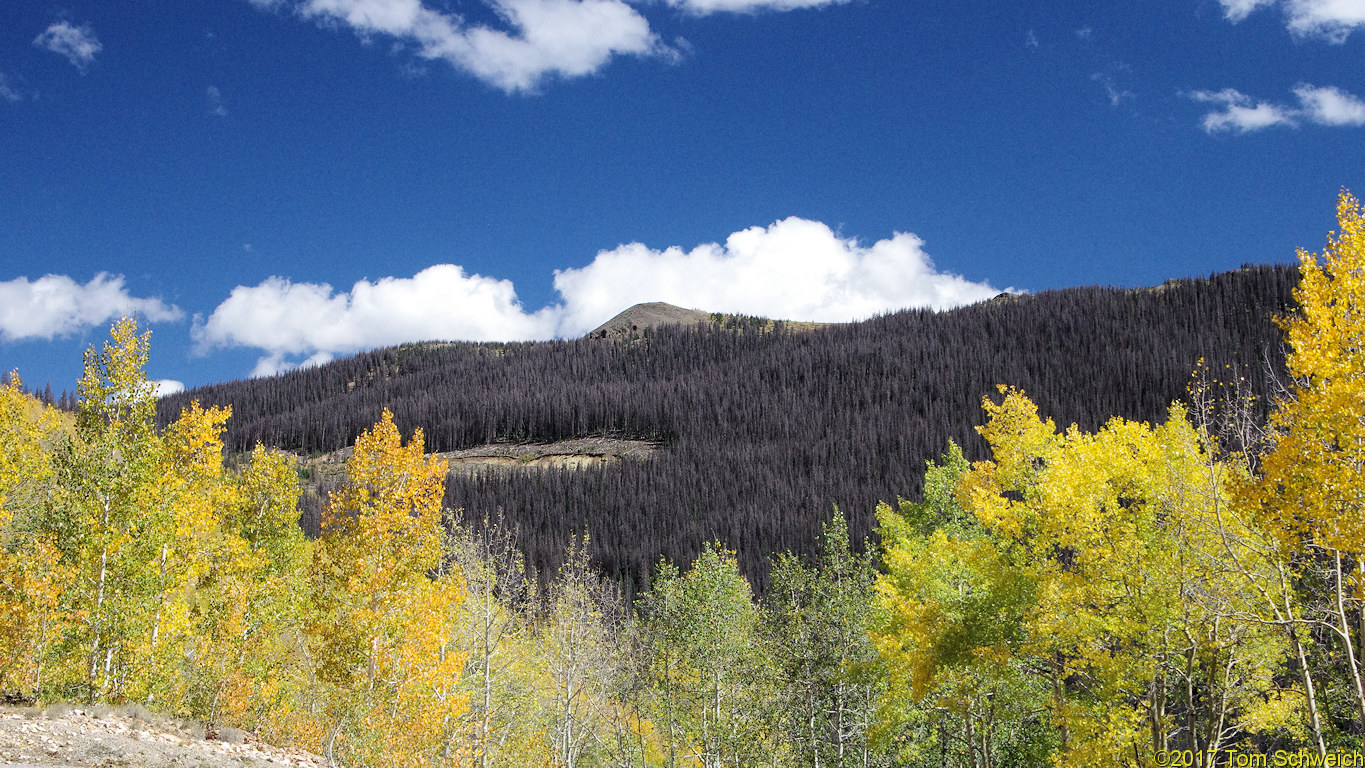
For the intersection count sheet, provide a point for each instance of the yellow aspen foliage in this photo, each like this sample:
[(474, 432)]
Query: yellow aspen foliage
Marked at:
[(1118, 536), (384, 625), (169, 579), (233, 576), (1312, 484), (258, 604), (191, 491), (31, 578), (106, 520), (135, 567), (116, 398)]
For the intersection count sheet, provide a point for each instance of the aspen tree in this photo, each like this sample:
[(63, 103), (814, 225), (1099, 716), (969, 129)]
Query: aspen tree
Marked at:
[(256, 613), (952, 611), (495, 631), (819, 619), (575, 644), (107, 521), (32, 580), (711, 664), (384, 627), (1311, 487), (1088, 563)]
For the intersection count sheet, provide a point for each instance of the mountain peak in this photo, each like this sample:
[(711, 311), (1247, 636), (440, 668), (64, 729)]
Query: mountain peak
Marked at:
[(648, 315)]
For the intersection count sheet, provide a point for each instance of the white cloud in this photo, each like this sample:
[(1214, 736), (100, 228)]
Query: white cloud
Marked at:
[(1239, 113), (215, 102), (544, 38), (701, 7), (77, 44), (794, 269), (1324, 105), (1117, 95), (7, 91), (1331, 20), (569, 38), (1330, 106), (165, 387), (56, 305), (288, 320), (1236, 10)]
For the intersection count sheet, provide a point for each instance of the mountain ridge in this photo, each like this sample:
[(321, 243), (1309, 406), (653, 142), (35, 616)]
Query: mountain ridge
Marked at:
[(761, 434)]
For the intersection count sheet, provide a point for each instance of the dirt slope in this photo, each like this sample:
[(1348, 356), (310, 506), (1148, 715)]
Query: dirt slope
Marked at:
[(66, 737), (649, 315)]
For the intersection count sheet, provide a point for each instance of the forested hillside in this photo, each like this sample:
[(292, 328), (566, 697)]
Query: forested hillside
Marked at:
[(763, 432)]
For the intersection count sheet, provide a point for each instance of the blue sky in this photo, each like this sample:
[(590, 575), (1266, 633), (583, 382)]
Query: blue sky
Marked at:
[(281, 182)]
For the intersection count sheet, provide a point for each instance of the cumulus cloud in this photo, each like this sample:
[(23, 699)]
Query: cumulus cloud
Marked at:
[(77, 44), (1331, 20), (543, 38), (794, 269), (56, 305), (1239, 113), (290, 320), (1330, 106), (165, 387), (702, 7)]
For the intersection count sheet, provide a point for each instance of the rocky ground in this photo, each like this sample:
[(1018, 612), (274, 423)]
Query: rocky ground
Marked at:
[(69, 737)]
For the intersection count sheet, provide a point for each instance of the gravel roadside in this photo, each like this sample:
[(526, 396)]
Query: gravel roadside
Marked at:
[(68, 737)]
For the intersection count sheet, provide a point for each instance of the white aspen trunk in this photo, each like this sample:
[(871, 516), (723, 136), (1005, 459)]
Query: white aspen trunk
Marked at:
[(970, 736), (838, 722), (1346, 638), (161, 597), (1284, 616), (1360, 617), (97, 618), (1191, 711), (485, 718), (1313, 719)]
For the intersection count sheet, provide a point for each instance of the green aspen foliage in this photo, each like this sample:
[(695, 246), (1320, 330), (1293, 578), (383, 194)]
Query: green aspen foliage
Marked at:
[(711, 670), (952, 609), (109, 520), (818, 616)]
